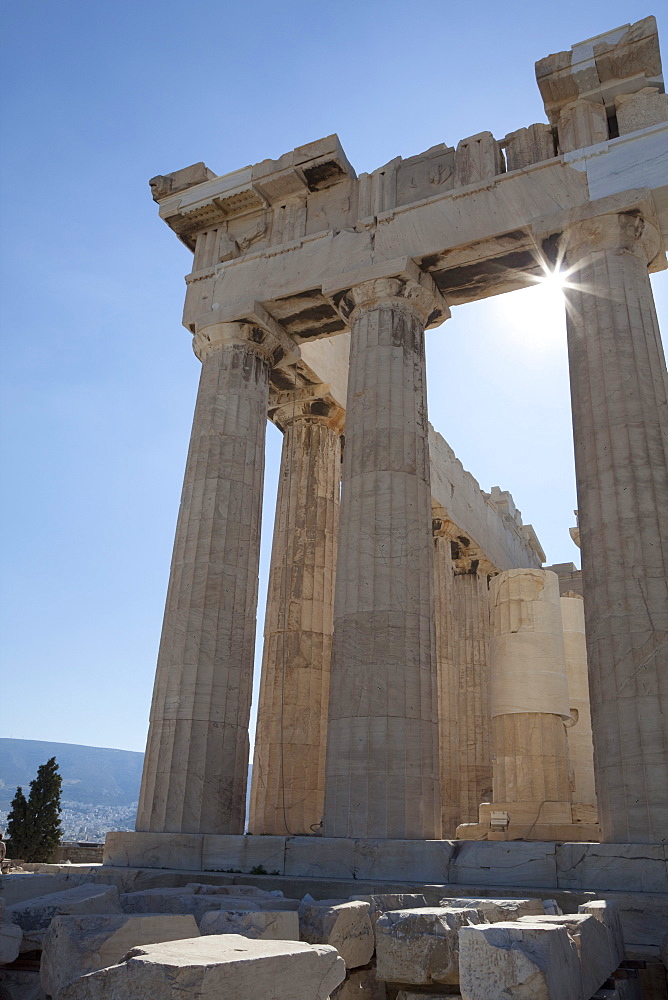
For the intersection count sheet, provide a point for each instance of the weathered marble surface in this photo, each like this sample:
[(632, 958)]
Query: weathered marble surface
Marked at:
[(519, 959), (344, 925), (421, 946), (77, 945), (36, 914), (383, 713), (227, 966), (265, 925)]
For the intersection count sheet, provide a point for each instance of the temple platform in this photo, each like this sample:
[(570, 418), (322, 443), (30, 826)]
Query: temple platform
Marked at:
[(591, 867)]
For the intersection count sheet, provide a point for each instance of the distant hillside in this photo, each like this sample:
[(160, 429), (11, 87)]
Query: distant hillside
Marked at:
[(91, 775)]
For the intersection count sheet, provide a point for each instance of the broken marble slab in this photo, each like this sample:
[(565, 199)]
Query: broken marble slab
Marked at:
[(421, 946), (496, 911), (344, 925), (19, 886), (225, 966), (230, 890), (265, 925), (608, 914), (534, 961), (380, 903), (36, 914), (78, 944), (592, 940)]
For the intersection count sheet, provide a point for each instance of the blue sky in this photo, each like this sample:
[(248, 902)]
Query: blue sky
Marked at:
[(98, 378)]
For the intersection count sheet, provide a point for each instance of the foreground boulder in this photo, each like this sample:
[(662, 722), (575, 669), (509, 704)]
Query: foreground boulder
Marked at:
[(264, 925), (36, 914), (76, 945), (495, 911), (226, 966), (592, 940), (532, 961), (421, 947), (346, 926)]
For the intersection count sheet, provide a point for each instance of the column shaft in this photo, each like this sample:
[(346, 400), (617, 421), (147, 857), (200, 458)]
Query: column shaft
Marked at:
[(288, 785), (448, 681), (580, 745), (620, 424), (382, 754), (471, 652), (196, 762)]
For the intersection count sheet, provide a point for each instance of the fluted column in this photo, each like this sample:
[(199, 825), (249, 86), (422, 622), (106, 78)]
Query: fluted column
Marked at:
[(382, 776), (580, 745), (288, 785), (444, 532), (471, 610), (620, 427), (196, 762)]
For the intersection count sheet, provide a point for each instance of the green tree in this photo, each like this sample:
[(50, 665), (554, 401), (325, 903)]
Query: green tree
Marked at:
[(17, 825), (34, 826)]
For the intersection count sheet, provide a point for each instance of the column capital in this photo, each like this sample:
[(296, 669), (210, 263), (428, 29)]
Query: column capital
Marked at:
[(313, 403), (629, 232), (400, 282), (623, 223), (249, 325)]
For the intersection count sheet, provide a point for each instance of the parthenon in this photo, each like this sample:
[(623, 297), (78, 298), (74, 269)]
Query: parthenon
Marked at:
[(424, 677)]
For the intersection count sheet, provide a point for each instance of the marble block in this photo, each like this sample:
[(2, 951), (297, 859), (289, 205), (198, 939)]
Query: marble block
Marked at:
[(267, 925), (154, 850), (592, 940), (632, 867), (76, 945), (344, 925), (517, 864), (529, 960), (496, 911), (421, 947), (18, 886), (37, 914), (608, 914), (225, 966), (244, 853)]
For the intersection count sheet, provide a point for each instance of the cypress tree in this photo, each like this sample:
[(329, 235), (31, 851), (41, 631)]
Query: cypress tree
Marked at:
[(17, 826), (34, 826)]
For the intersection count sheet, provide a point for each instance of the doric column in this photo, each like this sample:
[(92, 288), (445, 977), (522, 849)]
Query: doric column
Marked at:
[(462, 644), (471, 612), (620, 426), (196, 763), (382, 775), (288, 785), (445, 532), (580, 745)]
